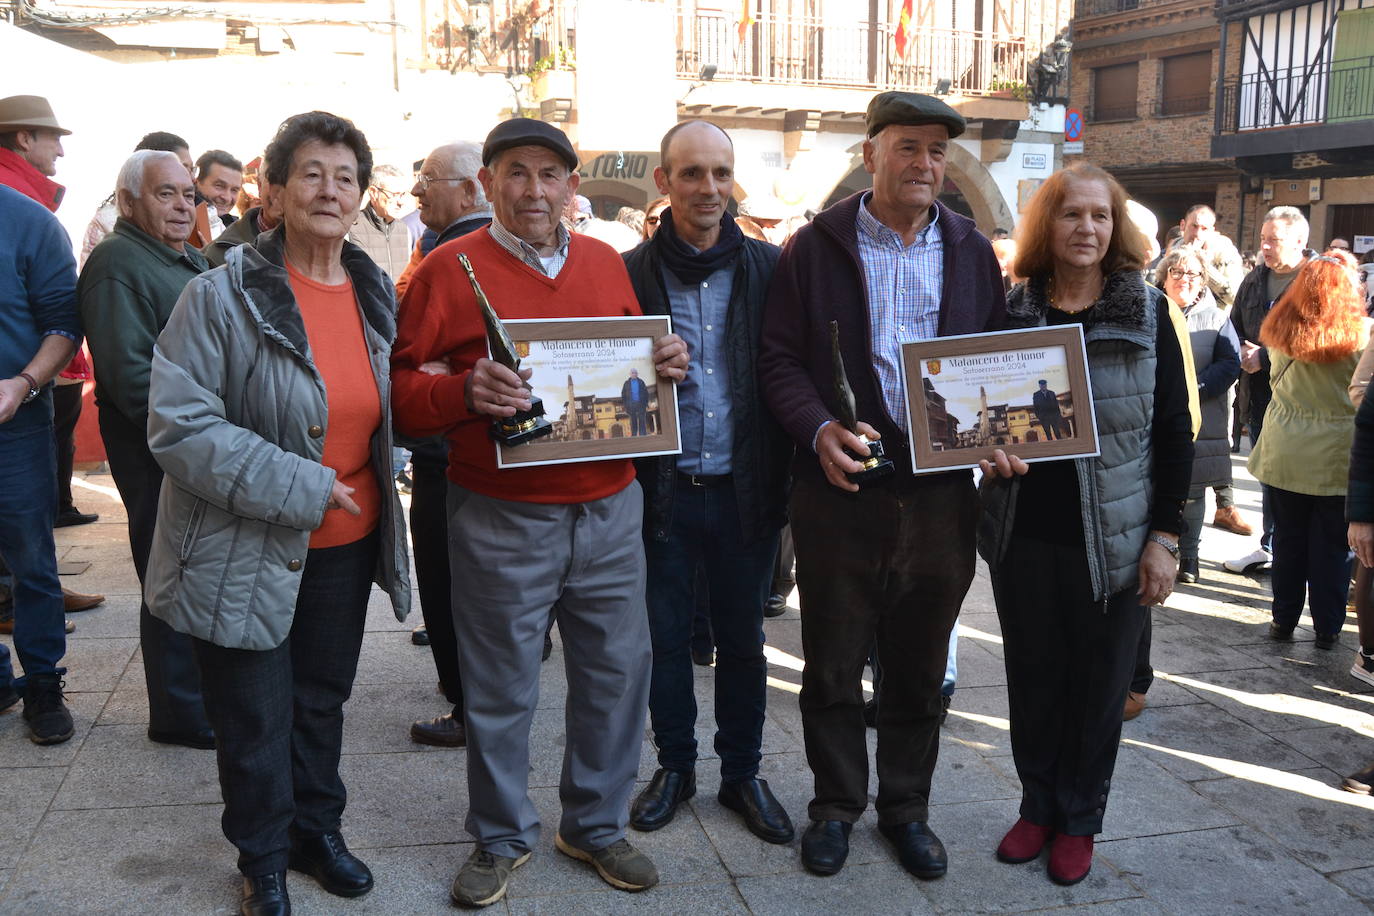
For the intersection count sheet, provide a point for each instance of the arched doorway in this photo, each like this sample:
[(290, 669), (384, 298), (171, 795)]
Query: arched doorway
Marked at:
[(969, 188)]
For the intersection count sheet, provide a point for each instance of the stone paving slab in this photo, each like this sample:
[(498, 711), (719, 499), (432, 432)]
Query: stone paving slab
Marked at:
[(1226, 871)]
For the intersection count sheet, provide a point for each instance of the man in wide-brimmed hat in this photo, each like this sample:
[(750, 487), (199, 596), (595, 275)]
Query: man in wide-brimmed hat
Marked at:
[(30, 145)]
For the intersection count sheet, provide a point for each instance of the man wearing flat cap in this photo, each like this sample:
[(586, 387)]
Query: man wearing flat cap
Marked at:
[(888, 564), (529, 543)]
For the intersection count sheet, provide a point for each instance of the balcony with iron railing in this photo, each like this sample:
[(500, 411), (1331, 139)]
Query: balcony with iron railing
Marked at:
[(1318, 104), (859, 54), (1083, 9)]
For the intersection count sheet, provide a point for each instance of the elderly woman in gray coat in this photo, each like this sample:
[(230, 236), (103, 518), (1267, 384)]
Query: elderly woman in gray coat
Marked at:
[(269, 411)]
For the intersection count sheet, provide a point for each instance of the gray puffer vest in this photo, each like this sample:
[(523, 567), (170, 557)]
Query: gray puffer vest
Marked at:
[(1217, 363), (1115, 488)]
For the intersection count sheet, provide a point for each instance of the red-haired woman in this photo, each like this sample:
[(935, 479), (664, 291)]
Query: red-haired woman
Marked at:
[(1314, 333), (1079, 549)]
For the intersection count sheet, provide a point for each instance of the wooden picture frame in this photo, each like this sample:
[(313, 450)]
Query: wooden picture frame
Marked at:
[(1026, 392), (581, 361)]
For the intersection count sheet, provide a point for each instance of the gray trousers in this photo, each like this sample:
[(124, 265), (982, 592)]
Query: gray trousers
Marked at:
[(514, 566)]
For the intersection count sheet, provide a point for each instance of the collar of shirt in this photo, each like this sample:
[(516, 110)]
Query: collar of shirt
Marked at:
[(526, 252), (880, 233)]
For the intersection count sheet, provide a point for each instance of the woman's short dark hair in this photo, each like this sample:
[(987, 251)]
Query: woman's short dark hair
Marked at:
[(162, 141), (329, 129)]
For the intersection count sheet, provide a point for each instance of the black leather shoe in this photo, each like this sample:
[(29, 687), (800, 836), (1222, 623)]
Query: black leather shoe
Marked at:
[(326, 859), (658, 802), (419, 636), (69, 517), (442, 731), (265, 895), (775, 606), (763, 814), (918, 848), (825, 846), (203, 740), (1280, 633)]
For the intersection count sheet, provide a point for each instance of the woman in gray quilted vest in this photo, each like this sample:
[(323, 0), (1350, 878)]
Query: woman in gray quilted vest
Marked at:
[(1073, 587)]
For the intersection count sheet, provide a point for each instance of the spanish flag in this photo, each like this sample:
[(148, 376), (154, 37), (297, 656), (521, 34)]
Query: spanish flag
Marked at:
[(904, 29), (746, 17)]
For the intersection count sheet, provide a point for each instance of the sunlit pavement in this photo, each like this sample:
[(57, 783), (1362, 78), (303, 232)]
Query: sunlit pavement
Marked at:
[(1225, 798)]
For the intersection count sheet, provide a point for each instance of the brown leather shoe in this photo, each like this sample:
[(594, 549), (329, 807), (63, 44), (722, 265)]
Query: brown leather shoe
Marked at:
[(1228, 519), (1135, 705), (75, 601), (441, 731)]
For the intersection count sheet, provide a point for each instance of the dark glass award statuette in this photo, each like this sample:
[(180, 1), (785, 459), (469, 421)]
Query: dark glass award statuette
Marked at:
[(875, 465), (525, 425)]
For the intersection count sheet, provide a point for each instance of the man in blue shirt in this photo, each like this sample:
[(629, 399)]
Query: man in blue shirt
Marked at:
[(720, 504), (39, 332)]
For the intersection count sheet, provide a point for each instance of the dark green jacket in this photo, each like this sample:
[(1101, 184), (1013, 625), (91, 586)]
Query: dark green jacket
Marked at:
[(126, 293)]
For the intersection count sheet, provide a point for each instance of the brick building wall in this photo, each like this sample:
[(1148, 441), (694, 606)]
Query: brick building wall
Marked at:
[(1164, 161)]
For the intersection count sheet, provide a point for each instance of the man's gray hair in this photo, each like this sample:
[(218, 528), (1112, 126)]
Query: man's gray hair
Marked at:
[(131, 172), (465, 160), (1290, 215), (388, 170)]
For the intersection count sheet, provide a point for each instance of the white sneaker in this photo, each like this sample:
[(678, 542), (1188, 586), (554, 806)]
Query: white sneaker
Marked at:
[(1363, 668), (1258, 557)]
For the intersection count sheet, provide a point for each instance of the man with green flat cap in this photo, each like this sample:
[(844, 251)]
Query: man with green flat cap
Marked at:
[(889, 564)]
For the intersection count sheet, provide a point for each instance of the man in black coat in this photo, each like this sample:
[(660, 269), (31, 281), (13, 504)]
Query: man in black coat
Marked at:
[(719, 504)]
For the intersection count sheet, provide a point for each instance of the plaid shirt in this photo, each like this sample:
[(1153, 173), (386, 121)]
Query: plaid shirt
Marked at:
[(526, 252), (904, 288)]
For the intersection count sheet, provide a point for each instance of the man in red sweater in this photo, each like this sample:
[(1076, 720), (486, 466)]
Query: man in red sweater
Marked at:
[(526, 543)]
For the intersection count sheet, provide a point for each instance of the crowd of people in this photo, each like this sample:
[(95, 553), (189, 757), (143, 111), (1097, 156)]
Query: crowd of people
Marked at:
[(267, 339)]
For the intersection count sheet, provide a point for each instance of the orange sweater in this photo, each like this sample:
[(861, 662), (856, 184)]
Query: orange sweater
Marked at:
[(335, 331), (439, 318)]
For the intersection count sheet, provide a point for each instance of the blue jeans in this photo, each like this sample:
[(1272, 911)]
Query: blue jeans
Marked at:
[(706, 531), (27, 484)]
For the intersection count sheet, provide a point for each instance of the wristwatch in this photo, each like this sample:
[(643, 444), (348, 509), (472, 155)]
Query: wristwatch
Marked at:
[(34, 390), (1164, 542)]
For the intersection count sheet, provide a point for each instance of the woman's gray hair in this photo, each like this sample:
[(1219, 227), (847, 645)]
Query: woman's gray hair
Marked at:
[(131, 172), (1173, 257)]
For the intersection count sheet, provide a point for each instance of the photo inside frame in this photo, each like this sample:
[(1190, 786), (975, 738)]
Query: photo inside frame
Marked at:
[(596, 388), (998, 398)]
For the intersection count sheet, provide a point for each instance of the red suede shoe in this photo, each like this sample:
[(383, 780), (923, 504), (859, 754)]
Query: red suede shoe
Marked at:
[(1071, 858), (1023, 842)]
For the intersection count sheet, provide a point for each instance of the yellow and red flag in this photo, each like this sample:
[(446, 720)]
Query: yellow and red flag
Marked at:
[(903, 38), (746, 17)]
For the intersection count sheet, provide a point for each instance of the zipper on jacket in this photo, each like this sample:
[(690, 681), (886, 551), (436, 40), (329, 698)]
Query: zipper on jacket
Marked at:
[(192, 532)]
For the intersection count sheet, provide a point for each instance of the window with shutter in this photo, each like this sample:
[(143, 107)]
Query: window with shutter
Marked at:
[(1114, 92), (1186, 84)]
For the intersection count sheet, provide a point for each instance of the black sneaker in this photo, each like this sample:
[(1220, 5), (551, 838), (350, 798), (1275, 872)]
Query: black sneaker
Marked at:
[(48, 718)]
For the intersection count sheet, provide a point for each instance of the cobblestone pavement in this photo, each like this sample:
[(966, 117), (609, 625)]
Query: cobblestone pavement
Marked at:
[(1224, 801)]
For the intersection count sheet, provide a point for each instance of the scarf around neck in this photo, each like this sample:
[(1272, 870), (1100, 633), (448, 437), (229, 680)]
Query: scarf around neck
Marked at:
[(692, 266)]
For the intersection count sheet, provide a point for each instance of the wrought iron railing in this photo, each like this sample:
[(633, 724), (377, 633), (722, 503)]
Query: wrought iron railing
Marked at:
[(1322, 93), (801, 50), (1181, 105), (1083, 8)]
